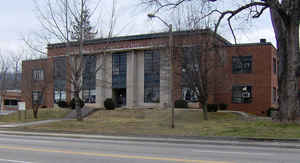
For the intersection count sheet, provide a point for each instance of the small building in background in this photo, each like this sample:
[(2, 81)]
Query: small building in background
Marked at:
[(9, 100)]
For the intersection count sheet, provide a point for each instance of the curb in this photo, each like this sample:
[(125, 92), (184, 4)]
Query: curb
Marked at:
[(251, 142)]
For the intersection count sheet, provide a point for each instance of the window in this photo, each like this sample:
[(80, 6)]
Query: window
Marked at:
[(59, 95), (119, 70), (37, 97), (274, 95), (151, 76), (11, 103), (89, 79), (189, 95), (59, 79), (241, 64), (38, 74), (89, 96), (59, 68), (241, 94), (274, 66)]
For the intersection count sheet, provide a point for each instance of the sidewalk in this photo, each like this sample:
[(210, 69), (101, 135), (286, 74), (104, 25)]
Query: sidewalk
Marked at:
[(13, 125), (251, 142)]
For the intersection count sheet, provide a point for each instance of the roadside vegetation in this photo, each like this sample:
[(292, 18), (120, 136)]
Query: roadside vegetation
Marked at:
[(157, 123), (43, 114)]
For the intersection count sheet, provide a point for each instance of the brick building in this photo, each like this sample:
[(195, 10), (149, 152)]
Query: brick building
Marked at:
[(135, 72)]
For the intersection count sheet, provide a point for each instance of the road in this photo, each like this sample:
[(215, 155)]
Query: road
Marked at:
[(42, 149)]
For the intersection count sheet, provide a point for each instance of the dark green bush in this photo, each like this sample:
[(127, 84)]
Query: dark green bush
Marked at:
[(270, 110), (181, 104), (223, 106), (63, 104), (72, 103), (109, 104), (212, 107)]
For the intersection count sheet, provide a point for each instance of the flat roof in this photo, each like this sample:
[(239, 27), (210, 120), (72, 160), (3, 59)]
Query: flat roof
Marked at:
[(140, 37)]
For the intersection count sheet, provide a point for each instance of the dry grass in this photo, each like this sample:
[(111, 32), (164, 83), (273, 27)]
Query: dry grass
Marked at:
[(157, 122)]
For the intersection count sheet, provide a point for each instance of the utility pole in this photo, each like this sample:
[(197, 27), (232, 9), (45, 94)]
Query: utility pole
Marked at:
[(171, 48)]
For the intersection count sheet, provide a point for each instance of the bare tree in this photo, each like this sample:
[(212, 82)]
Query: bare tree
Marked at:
[(285, 15), (16, 71), (198, 73), (68, 21), (4, 67)]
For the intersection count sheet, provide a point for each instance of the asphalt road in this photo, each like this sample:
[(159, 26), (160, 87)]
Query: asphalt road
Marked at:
[(35, 149)]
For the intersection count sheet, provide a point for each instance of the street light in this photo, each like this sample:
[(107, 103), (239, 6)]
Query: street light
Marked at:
[(170, 63)]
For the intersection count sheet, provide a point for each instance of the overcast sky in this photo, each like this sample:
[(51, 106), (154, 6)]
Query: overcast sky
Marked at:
[(18, 18)]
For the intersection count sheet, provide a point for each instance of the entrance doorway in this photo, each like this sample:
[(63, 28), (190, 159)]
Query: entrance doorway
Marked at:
[(119, 96)]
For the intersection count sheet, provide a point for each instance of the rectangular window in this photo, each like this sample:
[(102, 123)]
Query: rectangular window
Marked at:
[(274, 95), (59, 72), (89, 96), (241, 64), (37, 97), (241, 94), (59, 68), (189, 95), (11, 103), (89, 79), (59, 95), (151, 76), (119, 70), (274, 66), (38, 74)]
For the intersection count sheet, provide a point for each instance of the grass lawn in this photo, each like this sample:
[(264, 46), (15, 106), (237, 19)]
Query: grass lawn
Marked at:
[(157, 122), (43, 114)]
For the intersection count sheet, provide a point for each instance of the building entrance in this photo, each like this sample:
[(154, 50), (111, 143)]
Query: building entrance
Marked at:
[(119, 96)]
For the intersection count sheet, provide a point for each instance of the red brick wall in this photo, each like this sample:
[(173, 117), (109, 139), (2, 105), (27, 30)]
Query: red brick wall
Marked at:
[(29, 85), (261, 78)]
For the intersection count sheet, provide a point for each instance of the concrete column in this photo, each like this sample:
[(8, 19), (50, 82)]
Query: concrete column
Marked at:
[(100, 94), (103, 79), (140, 78), (131, 83)]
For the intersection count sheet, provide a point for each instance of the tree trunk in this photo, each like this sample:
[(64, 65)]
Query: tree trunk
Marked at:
[(289, 86), (77, 106), (35, 112), (287, 37), (205, 117)]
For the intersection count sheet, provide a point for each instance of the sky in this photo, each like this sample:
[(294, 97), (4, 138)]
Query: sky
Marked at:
[(19, 19)]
